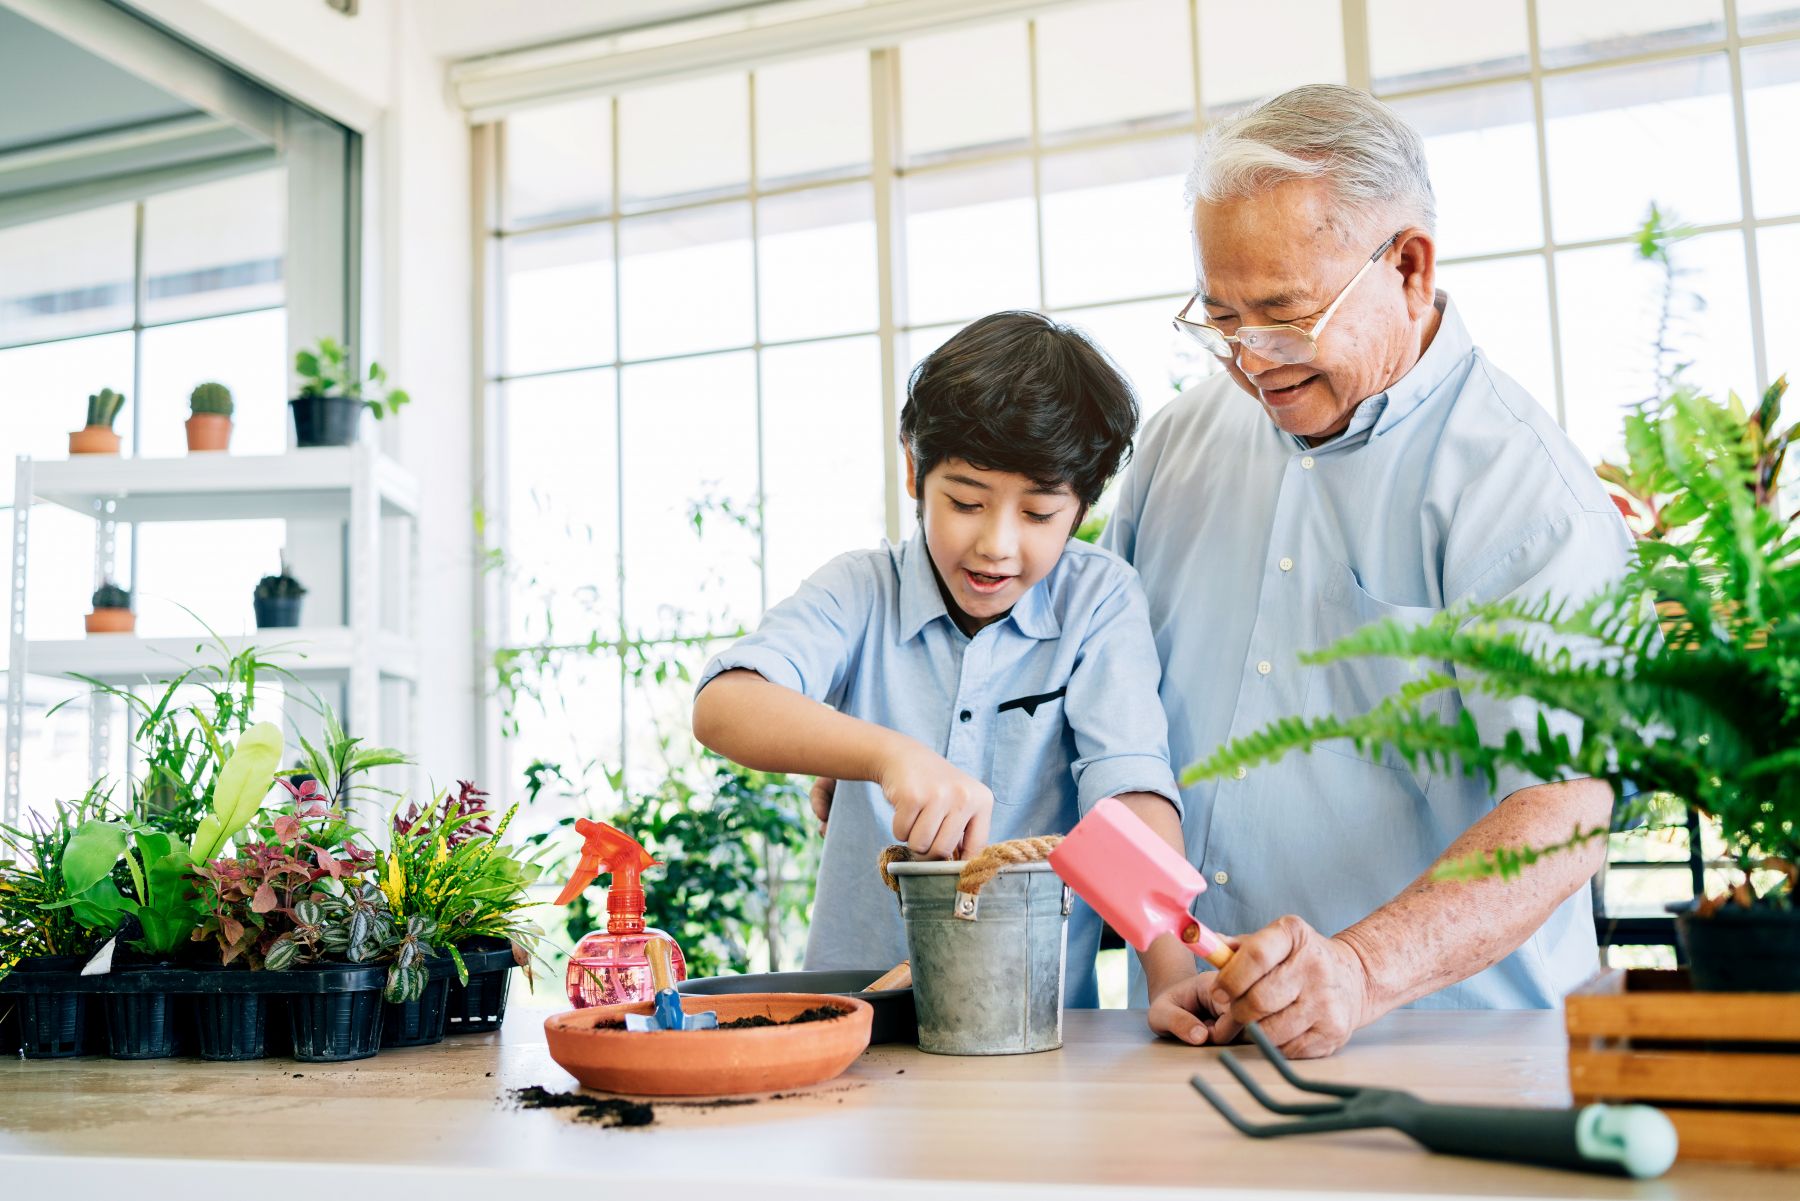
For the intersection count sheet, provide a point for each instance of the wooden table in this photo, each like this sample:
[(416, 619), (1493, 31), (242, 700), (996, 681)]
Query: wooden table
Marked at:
[(1109, 1114)]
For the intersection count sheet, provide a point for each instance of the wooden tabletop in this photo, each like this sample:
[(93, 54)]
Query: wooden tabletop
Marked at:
[(1110, 1113)]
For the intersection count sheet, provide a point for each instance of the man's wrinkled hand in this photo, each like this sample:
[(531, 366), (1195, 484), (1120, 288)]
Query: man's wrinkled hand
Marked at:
[(1306, 990)]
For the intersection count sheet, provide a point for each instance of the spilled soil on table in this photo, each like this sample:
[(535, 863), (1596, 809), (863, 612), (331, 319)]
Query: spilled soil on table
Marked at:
[(601, 1111)]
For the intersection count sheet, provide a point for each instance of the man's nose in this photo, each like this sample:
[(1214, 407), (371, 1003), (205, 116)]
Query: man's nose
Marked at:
[(1251, 363)]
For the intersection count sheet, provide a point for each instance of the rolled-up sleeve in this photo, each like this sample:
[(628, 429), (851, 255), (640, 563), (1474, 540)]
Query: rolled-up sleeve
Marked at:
[(810, 641), (1571, 560), (1112, 706)]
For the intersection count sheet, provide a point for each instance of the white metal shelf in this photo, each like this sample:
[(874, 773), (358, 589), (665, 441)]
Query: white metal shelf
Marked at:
[(314, 483), (309, 652)]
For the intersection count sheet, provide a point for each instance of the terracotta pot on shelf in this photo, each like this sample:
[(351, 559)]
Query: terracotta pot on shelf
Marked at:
[(111, 621), (94, 440), (208, 431)]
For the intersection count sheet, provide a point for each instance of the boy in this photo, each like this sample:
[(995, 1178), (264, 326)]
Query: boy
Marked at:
[(988, 679)]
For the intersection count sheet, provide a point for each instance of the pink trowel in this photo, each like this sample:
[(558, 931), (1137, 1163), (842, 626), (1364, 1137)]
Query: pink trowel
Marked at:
[(1135, 881)]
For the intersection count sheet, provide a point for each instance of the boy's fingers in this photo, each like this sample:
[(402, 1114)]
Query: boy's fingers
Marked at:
[(948, 836), (1166, 1017), (975, 835), (923, 831), (824, 789)]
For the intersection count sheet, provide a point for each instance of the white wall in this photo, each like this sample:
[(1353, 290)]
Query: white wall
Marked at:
[(377, 73)]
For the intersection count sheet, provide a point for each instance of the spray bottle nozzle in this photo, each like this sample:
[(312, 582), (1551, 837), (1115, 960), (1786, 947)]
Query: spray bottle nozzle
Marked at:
[(608, 849)]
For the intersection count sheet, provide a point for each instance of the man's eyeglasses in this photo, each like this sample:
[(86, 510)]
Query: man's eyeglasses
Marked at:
[(1288, 344)]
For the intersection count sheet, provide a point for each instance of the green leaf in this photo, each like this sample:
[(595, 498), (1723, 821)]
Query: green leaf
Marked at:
[(238, 793), (92, 850), (283, 954)]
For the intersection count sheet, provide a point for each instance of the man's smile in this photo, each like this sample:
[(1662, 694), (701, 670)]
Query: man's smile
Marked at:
[(1284, 395)]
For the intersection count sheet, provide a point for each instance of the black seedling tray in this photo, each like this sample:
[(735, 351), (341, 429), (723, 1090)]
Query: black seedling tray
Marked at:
[(322, 978)]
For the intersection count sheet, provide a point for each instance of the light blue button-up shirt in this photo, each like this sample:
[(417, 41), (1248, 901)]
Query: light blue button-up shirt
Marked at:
[(1253, 547), (1053, 707)]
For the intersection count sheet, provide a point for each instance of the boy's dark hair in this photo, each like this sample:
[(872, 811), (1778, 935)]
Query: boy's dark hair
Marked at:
[(1019, 392)]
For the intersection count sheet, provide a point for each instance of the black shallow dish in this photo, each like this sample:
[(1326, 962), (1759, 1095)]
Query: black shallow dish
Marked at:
[(895, 1020)]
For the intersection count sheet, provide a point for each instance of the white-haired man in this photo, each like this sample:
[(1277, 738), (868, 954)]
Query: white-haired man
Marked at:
[(1380, 467)]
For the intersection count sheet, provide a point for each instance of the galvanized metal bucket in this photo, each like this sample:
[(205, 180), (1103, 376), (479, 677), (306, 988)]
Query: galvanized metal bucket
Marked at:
[(987, 968)]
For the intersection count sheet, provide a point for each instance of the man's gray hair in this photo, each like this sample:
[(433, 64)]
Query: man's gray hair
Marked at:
[(1373, 162)]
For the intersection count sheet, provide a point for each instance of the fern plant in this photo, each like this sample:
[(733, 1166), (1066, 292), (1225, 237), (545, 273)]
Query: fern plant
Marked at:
[(1705, 707)]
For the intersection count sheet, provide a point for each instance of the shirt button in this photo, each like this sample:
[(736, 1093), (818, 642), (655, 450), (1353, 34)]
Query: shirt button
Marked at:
[(1306, 462), (965, 715), (1287, 564), (1264, 668), (1221, 877), (1240, 773)]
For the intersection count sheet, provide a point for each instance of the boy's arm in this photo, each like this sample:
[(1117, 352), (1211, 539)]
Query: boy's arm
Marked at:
[(937, 806), (1166, 962)]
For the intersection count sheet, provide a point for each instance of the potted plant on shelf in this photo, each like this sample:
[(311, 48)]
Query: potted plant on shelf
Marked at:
[(98, 436), (1704, 708), (328, 411), (277, 600), (209, 422), (112, 611)]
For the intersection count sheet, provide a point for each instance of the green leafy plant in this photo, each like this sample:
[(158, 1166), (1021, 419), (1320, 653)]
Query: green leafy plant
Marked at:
[(110, 596), (326, 371), (354, 926), (1705, 707), (338, 759), (211, 398), (282, 586), (33, 919), (103, 407)]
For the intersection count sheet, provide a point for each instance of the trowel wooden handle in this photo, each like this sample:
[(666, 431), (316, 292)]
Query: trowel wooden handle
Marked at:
[(1206, 944), (900, 977), (661, 974)]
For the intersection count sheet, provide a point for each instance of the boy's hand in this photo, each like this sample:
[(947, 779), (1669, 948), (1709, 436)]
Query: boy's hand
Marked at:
[(1182, 1010), (937, 806), (823, 790)]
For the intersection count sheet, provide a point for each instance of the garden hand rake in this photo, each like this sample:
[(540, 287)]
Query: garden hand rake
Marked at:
[(1629, 1140)]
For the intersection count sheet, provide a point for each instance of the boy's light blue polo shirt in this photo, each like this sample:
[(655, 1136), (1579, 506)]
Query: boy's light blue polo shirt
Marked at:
[(1054, 707)]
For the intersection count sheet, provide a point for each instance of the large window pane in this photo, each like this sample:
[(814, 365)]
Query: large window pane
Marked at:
[(562, 508), (1506, 305), (1778, 261), (1236, 39), (1114, 222), (1610, 138), (246, 352), (67, 276), (690, 439), (971, 245), (817, 265), (1597, 29), (963, 89), (215, 248), (823, 444), (685, 283), (559, 310), (1125, 62), (1609, 305), (684, 140), (1772, 115), (1763, 16), (1481, 144), (195, 575), (812, 117), (1422, 43), (570, 718), (659, 706), (558, 162), (1141, 340)]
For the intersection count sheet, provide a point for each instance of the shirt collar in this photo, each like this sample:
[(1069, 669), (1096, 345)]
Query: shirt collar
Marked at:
[(922, 602), (1449, 347)]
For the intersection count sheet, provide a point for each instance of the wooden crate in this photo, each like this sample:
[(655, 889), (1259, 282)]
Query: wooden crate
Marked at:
[(1725, 1067)]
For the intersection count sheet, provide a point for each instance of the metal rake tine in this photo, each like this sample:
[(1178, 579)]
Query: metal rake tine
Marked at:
[(1270, 1103), (1273, 1054), (1315, 1125)]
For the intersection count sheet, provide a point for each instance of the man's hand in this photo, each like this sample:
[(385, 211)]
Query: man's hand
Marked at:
[(1308, 991), (938, 807), (823, 790)]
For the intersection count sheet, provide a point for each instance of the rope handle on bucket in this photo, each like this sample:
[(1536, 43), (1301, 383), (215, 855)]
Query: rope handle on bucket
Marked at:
[(979, 870)]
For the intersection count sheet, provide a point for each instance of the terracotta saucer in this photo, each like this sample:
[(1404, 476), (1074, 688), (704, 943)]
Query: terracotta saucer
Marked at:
[(710, 1063)]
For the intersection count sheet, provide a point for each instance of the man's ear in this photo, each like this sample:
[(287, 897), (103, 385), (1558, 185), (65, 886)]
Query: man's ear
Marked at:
[(1418, 271), (912, 484)]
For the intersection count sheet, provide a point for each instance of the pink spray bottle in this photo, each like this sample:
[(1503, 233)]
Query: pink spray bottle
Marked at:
[(611, 967)]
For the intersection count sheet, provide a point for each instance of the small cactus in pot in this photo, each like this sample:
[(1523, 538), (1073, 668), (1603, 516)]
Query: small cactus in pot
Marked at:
[(277, 600), (98, 437), (209, 427), (112, 611)]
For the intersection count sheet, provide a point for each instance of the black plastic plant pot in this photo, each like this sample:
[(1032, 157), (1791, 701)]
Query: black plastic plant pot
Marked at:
[(277, 612), (1742, 950), (55, 1025), (141, 1025), (332, 1027), (325, 420), (418, 1023), (480, 1006), (11, 1038), (232, 1026)]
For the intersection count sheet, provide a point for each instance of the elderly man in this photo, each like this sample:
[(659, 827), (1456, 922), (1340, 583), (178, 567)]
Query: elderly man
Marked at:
[(1379, 467)]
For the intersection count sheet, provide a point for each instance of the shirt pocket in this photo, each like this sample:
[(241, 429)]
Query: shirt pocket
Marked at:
[(1351, 687), (1029, 759)]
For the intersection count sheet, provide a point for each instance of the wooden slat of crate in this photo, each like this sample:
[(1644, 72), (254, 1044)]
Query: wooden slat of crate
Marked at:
[(1630, 1039)]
